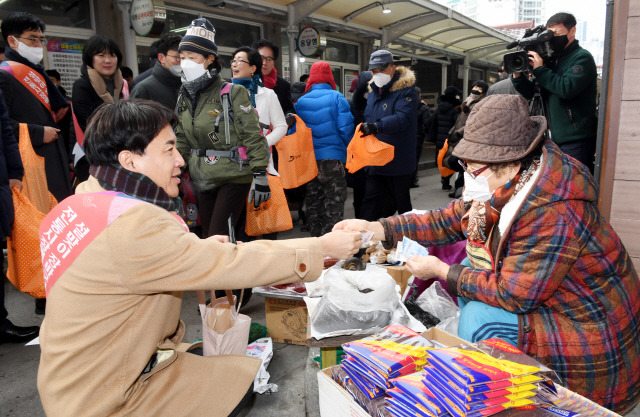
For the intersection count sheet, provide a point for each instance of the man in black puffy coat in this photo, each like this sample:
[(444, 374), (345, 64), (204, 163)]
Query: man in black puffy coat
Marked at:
[(442, 121)]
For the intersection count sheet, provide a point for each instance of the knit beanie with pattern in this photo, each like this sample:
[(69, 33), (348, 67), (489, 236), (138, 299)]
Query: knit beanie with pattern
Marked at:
[(200, 38)]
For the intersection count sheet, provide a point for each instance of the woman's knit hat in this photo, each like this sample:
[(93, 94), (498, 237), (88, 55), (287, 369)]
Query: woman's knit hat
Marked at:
[(200, 38), (320, 72), (500, 129)]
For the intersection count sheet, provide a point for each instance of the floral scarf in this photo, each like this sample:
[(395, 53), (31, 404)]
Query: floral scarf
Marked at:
[(481, 217)]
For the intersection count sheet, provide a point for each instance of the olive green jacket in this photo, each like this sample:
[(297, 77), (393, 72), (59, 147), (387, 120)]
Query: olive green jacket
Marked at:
[(195, 130)]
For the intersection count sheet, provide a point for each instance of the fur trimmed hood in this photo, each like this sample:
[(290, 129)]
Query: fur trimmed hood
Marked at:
[(406, 78)]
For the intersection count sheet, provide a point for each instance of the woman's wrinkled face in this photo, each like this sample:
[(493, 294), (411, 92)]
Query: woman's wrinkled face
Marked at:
[(105, 63), (240, 66)]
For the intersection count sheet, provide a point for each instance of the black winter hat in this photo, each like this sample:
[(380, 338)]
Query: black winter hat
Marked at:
[(200, 38), (482, 85), (451, 91)]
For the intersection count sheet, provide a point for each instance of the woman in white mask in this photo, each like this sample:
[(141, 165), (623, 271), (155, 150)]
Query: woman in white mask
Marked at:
[(100, 82), (546, 272), (224, 150)]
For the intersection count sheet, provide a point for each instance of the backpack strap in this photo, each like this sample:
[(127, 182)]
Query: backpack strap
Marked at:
[(225, 98)]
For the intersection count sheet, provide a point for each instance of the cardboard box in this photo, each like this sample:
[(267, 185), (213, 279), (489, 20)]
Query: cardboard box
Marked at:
[(336, 402), (286, 320), (400, 274)]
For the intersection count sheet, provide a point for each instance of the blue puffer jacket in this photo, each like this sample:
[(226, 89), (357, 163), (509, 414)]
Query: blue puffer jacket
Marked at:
[(327, 113), (394, 108)]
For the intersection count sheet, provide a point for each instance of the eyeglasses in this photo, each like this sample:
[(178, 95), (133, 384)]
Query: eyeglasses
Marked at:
[(176, 57), (266, 58), (32, 41), (472, 174), (238, 61)]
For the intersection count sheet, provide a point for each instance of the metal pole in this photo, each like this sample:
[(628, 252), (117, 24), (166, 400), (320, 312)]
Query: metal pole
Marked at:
[(292, 33), (130, 55), (443, 82), (604, 89), (465, 77)]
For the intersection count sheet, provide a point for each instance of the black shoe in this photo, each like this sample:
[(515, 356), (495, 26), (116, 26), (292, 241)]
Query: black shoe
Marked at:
[(452, 195), (415, 184), (446, 187), (17, 334), (41, 305)]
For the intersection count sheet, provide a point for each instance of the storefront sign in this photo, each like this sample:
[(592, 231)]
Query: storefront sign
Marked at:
[(311, 42), (148, 17), (66, 58)]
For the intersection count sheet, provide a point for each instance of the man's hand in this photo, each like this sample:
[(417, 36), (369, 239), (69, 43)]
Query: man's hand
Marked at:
[(425, 267), (260, 191), (369, 129), (341, 244), (535, 60), (50, 134), (290, 119), (13, 182)]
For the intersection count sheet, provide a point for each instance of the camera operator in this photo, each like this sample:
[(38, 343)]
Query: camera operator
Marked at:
[(569, 84)]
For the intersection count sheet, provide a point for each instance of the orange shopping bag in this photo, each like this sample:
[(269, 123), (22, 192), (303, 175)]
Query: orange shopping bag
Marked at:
[(271, 216), (366, 151), (24, 264), (296, 158), (444, 171)]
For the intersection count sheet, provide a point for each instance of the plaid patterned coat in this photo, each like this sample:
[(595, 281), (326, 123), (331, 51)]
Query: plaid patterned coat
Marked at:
[(564, 271)]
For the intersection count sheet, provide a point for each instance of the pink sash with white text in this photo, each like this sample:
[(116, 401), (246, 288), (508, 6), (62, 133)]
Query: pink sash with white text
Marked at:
[(73, 224)]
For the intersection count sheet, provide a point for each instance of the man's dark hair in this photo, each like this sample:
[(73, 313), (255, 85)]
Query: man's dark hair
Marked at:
[(266, 42), (53, 74), (126, 72), (304, 78), (124, 125), (566, 19), (153, 49), (168, 42), (99, 44), (253, 56), (16, 23)]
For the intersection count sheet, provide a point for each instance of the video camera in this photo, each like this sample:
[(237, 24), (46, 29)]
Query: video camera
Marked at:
[(536, 39)]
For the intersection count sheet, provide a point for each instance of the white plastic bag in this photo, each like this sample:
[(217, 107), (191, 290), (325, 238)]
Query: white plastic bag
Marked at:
[(263, 350), (437, 301)]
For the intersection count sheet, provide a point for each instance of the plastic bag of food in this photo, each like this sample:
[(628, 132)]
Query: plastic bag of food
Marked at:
[(437, 301)]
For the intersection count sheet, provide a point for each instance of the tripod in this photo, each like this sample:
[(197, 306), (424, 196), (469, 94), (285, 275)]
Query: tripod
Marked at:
[(538, 107)]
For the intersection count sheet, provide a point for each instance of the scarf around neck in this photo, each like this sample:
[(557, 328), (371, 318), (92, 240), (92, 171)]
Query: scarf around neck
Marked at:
[(271, 79), (116, 178), (481, 217), (251, 84), (194, 87), (56, 99), (99, 85)]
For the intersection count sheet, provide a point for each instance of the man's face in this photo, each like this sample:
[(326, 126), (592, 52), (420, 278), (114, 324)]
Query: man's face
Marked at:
[(389, 70), (267, 59), (171, 58), (31, 38), (560, 30), (160, 161)]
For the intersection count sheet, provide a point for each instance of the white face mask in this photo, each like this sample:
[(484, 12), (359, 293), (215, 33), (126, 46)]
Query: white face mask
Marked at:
[(191, 70), (476, 189), (32, 54), (381, 79), (175, 70)]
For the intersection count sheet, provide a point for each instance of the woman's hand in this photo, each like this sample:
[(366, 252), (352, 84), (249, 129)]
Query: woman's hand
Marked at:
[(357, 225), (221, 238), (341, 244), (425, 267)]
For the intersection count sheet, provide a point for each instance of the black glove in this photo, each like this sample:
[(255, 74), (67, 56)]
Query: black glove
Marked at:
[(369, 129), (290, 119), (260, 191)]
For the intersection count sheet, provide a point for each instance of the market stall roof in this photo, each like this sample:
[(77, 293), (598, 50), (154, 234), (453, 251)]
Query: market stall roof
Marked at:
[(421, 29)]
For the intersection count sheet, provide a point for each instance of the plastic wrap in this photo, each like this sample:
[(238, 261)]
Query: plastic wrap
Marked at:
[(437, 301)]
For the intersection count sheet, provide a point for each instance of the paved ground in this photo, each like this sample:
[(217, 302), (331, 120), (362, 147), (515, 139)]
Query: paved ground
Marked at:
[(291, 367)]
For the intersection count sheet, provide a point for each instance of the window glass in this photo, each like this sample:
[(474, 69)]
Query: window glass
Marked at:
[(234, 34), (69, 13), (177, 22), (341, 52)]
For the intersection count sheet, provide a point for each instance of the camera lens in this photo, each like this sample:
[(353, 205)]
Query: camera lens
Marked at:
[(518, 62)]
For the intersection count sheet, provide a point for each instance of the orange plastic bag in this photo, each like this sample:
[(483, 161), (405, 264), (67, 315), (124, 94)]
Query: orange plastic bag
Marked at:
[(24, 264), (366, 151), (444, 171), (271, 216), (296, 158)]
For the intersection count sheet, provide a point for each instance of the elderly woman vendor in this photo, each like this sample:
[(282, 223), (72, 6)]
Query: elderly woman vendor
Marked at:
[(548, 273)]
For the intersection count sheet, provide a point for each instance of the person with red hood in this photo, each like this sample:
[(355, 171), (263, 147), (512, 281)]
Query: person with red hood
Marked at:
[(327, 113)]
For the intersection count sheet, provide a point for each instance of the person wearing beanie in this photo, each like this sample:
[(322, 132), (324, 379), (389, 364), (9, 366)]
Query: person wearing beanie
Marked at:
[(391, 115), (478, 92), (546, 272), (226, 159), (327, 113), (441, 123)]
